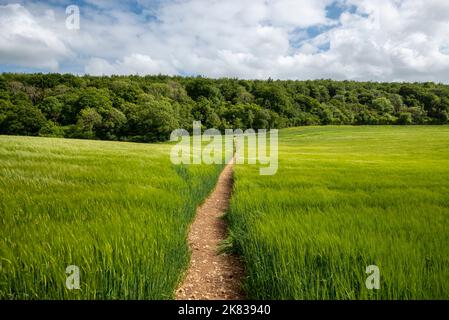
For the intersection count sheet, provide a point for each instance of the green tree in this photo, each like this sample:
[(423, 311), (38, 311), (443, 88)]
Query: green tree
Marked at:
[(20, 119), (243, 116), (112, 123), (94, 98), (88, 120), (150, 119), (274, 97), (51, 107), (203, 88), (262, 119), (125, 90), (51, 129), (306, 103), (204, 112), (382, 105), (405, 118)]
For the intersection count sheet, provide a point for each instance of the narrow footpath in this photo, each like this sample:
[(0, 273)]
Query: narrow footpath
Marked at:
[(212, 276)]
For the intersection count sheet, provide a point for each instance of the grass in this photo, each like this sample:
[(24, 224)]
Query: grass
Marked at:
[(119, 211), (345, 198)]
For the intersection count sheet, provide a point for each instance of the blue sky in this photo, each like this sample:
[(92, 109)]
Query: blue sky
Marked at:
[(382, 40)]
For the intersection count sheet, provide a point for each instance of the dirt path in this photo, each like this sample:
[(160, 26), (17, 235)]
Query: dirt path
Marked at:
[(212, 276)]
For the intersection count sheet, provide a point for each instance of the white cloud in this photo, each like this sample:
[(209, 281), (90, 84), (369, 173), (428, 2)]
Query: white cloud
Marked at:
[(298, 13), (25, 41), (381, 40), (133, 64)]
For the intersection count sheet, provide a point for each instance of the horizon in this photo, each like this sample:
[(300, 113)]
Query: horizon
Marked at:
[(220, 78)]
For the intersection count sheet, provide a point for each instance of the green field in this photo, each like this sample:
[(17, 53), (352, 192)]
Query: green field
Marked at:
[(345, 198), (119, 211)]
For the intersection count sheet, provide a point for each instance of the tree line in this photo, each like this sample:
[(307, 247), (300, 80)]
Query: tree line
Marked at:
[(149, 108)]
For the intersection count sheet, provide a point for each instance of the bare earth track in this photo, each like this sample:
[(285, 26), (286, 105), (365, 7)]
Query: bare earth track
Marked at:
[(212, 276)]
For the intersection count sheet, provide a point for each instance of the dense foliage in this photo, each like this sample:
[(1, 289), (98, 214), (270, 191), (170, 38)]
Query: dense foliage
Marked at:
[(134, 108)]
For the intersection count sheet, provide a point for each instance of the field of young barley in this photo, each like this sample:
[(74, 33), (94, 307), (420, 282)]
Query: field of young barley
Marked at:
[(346, 198), (118, 211)]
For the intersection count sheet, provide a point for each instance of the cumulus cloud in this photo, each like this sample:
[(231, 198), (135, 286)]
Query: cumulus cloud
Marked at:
[(137, 64), (25, 41), (403, 40)]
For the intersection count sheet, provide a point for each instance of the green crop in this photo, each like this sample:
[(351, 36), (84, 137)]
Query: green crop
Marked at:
[(118, 211), (345, 198)]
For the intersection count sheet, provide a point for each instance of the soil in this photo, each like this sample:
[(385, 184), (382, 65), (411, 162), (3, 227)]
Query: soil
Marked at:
[(212, 276)]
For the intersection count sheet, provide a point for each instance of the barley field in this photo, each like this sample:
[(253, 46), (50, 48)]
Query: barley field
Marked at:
[(118, 211), (346, 198)]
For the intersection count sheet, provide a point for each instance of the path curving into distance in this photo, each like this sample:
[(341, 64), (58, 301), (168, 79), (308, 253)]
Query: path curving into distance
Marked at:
[(212, 276)]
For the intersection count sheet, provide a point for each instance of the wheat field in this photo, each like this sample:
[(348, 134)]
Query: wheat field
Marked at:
[(346, 198), (118, 211)]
